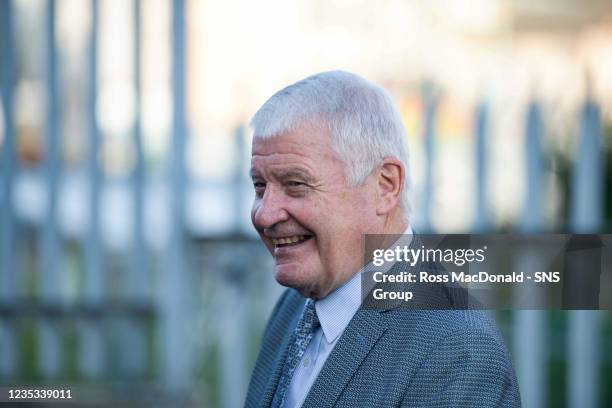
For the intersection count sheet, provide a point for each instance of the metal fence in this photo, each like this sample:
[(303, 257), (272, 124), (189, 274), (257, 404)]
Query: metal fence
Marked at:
[(173, 291)]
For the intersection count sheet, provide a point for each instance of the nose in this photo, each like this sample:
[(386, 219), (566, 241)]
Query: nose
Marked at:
[(269, 210)]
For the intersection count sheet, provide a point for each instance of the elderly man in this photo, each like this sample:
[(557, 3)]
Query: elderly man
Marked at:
[(329, 164)]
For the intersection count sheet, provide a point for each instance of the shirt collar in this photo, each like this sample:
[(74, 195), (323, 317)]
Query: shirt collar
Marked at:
[(336, 310)]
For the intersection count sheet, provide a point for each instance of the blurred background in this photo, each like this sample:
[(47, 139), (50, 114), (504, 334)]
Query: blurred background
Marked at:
[(128, 265)]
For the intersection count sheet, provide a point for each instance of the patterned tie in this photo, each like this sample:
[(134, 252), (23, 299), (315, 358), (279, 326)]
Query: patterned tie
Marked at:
[(302, 335)]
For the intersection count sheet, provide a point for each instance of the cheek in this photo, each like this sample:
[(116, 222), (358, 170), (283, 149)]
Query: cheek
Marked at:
[(308, 213), (353, 209)]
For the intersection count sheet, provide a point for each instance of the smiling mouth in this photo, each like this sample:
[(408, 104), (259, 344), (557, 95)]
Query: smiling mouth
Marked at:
[(290, 241)]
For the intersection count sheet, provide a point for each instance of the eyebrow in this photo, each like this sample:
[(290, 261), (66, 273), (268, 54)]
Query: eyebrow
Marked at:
[(286, 174), (293, 173)]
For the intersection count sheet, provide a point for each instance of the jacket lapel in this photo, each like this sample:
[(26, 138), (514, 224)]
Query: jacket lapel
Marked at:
[(270, 390), (275, 377), (353, 346)]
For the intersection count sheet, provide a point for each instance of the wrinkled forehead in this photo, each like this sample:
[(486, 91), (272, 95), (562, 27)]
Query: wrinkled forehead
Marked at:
[(304, 149)]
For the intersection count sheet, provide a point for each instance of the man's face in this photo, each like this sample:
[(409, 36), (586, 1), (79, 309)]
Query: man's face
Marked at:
[(310, 218)]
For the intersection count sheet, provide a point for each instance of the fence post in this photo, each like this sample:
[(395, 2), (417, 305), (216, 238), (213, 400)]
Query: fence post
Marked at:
[(91, 359), (233, 323), (480, 129), (239, 179), (8, 341), (177, 352), (133, 353), (532, 215), (586, 217), (529, 325), (49, 341), (430, 104)]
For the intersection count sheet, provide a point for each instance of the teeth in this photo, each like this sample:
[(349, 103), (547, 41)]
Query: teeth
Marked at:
[(287, 240)]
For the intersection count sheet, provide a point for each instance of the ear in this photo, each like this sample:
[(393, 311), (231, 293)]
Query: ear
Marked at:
[(390, 184)]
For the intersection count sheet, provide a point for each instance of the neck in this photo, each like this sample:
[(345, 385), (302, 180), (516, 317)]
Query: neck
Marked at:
[(395, 224)]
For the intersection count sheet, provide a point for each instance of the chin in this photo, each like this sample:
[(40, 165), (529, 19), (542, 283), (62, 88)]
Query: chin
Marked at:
[(292, 276)]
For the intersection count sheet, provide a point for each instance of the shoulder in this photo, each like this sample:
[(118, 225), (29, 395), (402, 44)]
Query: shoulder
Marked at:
[(424, 335), (431, 326), (454, 353)]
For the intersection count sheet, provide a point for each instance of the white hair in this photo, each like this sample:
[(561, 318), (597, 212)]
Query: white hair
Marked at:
[(364, 122)]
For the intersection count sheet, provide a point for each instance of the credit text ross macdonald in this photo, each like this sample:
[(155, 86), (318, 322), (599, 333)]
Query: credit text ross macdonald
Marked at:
[(459, 257)]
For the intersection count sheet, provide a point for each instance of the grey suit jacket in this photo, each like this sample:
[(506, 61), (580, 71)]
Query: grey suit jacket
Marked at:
[(396, 357)]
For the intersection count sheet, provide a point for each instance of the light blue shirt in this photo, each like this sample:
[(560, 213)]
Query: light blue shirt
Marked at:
[(334, 311)]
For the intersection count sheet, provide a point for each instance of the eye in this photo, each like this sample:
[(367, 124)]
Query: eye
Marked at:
[(259, 187), (296, 188)]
